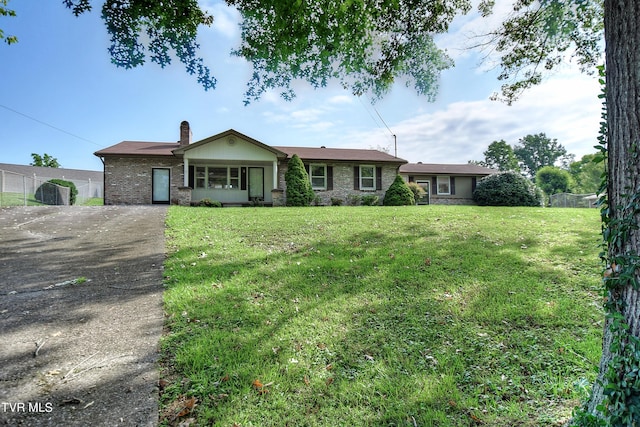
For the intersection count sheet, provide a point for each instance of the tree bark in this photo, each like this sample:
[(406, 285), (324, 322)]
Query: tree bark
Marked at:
[(622, 40)]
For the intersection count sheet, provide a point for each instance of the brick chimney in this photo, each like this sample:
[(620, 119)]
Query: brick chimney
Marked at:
[(185, 134)]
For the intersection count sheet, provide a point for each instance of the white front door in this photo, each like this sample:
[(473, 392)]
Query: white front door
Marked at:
[(160, 184)]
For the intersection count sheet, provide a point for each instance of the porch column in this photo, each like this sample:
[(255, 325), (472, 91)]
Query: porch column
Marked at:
[(275, 173), (185, 172)]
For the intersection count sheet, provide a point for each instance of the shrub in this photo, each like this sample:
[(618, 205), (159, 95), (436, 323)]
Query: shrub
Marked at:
[(209, 203), (299, 191), (507, 189), (370, 200), (336, 202), (353, 199), (417, 190), (398, 194), (50, 194)]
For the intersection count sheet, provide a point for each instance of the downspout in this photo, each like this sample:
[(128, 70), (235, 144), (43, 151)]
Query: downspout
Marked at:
[(104, 181)]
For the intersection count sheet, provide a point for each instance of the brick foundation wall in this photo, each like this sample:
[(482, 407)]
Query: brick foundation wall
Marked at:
[(127, 180)]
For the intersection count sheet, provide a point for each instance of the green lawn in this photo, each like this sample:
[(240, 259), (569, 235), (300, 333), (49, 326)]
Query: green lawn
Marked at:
[(17, 199), (370, 316)]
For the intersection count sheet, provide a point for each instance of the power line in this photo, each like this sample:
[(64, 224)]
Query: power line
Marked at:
[(395, 141), (383, 122), (49, 125)]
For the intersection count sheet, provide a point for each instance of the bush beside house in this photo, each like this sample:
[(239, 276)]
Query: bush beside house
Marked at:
[(507, 189), (399, 194), (49, 192), (299, 191)]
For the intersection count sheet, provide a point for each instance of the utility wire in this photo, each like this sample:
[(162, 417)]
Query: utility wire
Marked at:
[(383, 122), (49, 125), (395, 141)]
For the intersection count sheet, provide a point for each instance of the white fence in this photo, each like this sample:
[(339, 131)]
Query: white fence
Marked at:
[(22, 190)]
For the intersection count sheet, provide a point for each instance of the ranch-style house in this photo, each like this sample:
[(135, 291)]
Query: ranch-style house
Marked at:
[(236, 169)]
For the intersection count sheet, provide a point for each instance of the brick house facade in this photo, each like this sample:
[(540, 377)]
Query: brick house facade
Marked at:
[(235, 169)]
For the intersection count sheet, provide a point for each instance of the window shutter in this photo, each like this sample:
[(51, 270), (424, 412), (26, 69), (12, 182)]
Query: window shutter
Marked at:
[(412, 178), (329, 177), (307, 168), (378, 178), (474, 182), (434, 185), (356, 177), (243, 179), (453, 185), (192, 175)]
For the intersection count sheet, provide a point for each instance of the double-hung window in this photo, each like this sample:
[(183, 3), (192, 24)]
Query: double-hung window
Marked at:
[(318, 175), (367, 177), (444, 185)]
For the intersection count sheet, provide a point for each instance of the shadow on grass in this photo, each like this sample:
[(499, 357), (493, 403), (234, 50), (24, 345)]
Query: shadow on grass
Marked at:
[(370, 328)]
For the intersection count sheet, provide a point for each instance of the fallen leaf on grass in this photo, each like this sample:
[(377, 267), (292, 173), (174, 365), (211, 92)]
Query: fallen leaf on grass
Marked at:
[(329, 381), (187, 406)]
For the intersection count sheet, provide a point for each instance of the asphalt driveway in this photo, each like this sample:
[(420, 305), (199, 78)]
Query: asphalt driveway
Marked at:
[(80, 315)]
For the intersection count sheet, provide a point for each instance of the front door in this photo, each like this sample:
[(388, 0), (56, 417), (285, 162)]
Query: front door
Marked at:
[(160, 185), (426, 186), (256, 184)]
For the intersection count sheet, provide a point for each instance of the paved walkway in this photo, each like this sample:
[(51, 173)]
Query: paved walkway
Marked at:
[(80, 315)]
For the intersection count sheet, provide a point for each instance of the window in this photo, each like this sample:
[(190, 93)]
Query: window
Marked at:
[(444, 185), (318, 175), (217, 178), (367, 177), (234, 178), (201, 177)]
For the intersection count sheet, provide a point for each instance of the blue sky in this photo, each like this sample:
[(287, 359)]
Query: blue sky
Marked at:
[(60, 95)]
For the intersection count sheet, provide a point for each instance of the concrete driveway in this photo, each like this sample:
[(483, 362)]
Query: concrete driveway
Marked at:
[(80, 315)]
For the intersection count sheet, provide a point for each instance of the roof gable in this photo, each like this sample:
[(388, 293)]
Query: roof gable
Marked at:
[(229, 135)]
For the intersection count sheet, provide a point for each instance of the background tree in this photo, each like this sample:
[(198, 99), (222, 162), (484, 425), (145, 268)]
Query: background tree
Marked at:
[(46, 161), (536, 151), (587, 174), (299, 191), (500, 156), (553, 180)]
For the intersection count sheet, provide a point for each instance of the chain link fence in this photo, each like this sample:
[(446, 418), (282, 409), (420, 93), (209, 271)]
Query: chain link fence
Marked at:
[(569, 200), (24, 190)]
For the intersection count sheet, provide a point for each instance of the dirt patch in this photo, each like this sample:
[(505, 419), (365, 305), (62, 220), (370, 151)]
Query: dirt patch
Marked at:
[(80, 315)]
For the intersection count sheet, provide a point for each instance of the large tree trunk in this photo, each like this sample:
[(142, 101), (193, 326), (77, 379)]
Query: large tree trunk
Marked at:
[(622, 38)]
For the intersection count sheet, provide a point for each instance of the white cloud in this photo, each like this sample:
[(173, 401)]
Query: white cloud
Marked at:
[(225, 19), (340, 99), (565, 108)]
